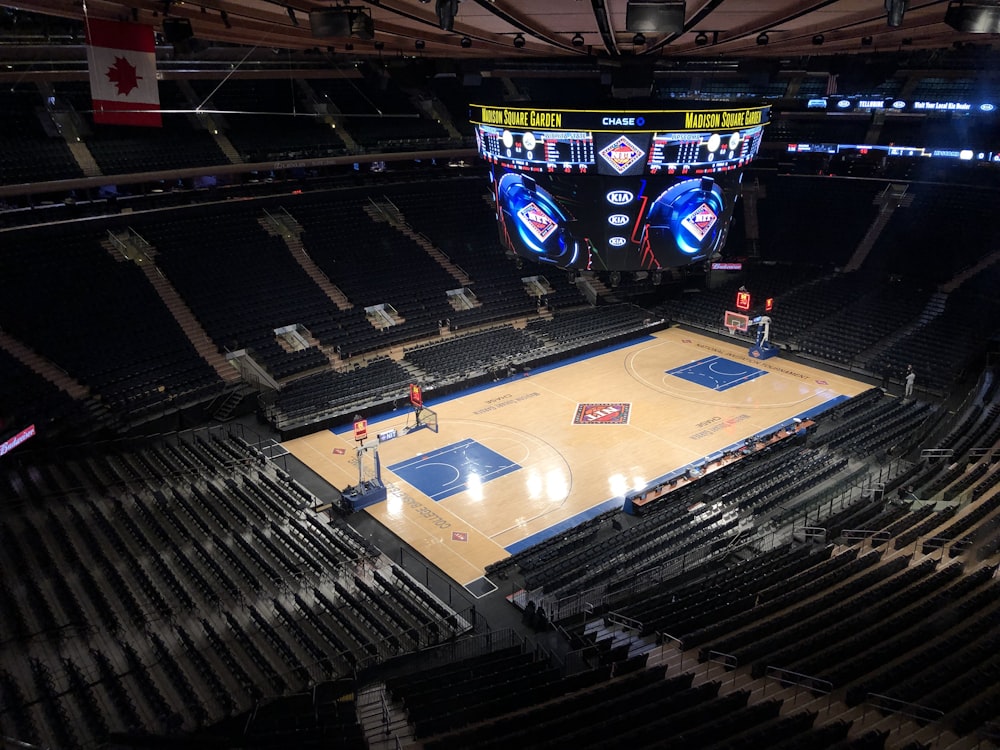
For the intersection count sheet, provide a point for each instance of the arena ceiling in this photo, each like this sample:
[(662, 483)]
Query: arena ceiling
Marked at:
[(568, 29)]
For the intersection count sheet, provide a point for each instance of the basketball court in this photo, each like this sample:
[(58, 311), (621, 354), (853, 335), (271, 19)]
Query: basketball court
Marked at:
[(514, 463)]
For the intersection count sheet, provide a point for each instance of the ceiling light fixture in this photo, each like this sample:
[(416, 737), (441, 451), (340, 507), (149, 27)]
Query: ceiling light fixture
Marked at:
[(866, 41), (466, 42), (577, 39), (639, 39), (819, 39), (762, 38), (894, 10), (420, 44), (519, 40), (701, 39)]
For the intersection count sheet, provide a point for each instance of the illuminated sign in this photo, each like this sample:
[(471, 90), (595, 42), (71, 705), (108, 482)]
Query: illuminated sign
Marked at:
[(416, 395), (616, 241), (769, 304), (727, 266), (899, 105), (618, 220), (360, 429), (11, 443), (620, 197), (621, 154), (742, 300), (662, 120)]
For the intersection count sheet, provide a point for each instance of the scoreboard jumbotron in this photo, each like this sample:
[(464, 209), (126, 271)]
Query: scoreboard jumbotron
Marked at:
[(616, 190)]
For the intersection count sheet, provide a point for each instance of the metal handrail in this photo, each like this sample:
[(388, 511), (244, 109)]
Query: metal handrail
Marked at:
[(851, 534), (620, 619), (903, 708), (816, 684)]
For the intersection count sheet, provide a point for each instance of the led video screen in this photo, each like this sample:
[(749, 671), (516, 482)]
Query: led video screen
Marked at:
[(623, 191)]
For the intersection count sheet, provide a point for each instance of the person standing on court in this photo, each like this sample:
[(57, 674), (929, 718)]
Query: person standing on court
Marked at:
[(911, 376)]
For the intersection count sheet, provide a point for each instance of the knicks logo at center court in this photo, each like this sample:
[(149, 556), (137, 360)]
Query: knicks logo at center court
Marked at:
[(602, 413)]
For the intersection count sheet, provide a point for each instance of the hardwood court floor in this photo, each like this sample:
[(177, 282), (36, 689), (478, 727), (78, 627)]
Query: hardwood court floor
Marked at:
[(513, 463)]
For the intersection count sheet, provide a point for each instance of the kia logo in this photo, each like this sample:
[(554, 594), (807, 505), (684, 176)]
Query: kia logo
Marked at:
[(619, 197), (898, 104), (986, 107), (616, 241), (618, 220)]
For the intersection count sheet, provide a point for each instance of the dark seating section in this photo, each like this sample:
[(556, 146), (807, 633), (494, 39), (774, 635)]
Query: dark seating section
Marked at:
[(479, 353), (268, 119), (120, 149), (99, 320), (943, 347), (794, 127), (330, 392), (242, 284), (30, 151), (589, 325), (911, 242), (869, 319), (209, 584), (27, 398), (325, 717), (814, 221), (378, 115), (457, 94), (781, 282), (373, 263), (458, 218)]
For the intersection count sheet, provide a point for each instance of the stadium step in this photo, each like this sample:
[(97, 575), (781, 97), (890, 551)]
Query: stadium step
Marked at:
[(383, 720)]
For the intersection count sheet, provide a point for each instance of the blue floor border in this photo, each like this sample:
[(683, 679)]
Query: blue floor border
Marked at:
[(402, 411), (616, 503)]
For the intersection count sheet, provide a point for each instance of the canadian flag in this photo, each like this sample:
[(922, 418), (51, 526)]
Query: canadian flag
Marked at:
[(122, 60)]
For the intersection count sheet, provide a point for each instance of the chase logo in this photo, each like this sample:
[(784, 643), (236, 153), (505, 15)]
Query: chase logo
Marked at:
[(621, 154), (619, 197), (618, 220), (700, 221), (616, 241), (537, 221)]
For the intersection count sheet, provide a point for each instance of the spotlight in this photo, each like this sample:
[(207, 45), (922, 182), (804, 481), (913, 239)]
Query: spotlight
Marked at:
[(762, 38), (577, 40), (466, 42), (639, 39), (225, 19), (894, 10), (420, 44), (291, 15), (379, 45), (519, 40), (819, 39), (866, 41), (701, 39)]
